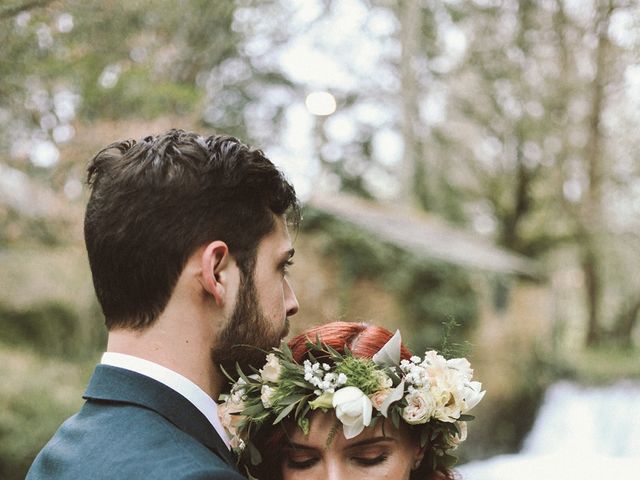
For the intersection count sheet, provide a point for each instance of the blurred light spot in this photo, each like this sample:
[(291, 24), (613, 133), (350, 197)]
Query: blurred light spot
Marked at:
[(73, 188), (535, 109), (20, 148), (622, 29), (433, 109), (48, 121), (45, 40), (320, 103), (484, 224), (110, 76), (572, 190), (64, 104), (382, 22), (532, 154), (44, 154), (63, 133), (331, 152), (64, 22), (138, 54), (340, 128), (388, 147), (22, 19)]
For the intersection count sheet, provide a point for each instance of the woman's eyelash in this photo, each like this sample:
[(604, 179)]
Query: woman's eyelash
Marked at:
[(286, 265), (371, 461), (302, 465)]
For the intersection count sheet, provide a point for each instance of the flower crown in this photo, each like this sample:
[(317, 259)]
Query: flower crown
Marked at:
[(432, 393)]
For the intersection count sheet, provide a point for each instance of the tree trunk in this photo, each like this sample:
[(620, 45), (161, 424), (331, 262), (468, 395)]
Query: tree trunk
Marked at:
[(592, 217), (627, 320), (410, 21)]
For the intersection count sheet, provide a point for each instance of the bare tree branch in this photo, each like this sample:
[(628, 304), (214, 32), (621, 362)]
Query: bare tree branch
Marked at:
[(12, 11)]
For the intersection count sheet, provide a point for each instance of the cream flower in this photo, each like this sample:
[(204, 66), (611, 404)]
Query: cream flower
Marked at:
[(453, 441), (378, 398), (353, 409), (266, 395), (472, 395), (420, 407), (271, 370), (447, 403), (226, 411)]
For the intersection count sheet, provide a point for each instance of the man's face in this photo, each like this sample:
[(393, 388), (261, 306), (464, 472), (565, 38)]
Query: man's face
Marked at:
[(265, 301)]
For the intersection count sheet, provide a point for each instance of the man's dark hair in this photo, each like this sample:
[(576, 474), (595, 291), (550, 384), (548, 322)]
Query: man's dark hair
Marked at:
[(154, 202)]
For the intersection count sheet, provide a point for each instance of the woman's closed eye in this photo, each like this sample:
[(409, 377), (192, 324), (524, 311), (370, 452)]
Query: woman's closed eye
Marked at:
[(368, 461), (301, 462)]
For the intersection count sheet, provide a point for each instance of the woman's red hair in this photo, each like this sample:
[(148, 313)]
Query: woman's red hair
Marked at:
[(363, 340)]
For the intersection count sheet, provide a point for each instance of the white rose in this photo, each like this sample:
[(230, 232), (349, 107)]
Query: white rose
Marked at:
[(447, 403), (271, 370), (353, 409), (266, 394), (378, 398), (420, 407)]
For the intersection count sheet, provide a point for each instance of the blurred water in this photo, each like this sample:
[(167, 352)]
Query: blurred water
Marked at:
[(581, 433)]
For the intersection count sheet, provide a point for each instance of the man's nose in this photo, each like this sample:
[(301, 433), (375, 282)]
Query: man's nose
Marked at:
[(291, 302)]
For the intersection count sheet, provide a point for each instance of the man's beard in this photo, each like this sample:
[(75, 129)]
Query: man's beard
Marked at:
[(248, 333)]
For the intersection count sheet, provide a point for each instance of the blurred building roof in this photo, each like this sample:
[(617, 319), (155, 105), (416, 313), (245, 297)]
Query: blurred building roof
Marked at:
[(425, 235)]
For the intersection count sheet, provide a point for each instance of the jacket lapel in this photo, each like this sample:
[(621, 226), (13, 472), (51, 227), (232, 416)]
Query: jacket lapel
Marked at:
[(120, 385)]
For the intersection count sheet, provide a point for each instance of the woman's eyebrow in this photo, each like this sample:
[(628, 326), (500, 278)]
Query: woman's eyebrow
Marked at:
[(298, 446), (372, 440)]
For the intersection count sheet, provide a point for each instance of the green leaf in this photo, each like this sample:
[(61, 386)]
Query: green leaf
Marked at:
[(287, 410), (312, 358), (226, 374), (300, 406), (241, 373), (424, 436), (254, 454), (291, 399), (395, 418), (301, 384), (466, 418), (447, 460), (287, 352), (253, 410), (303, 423)]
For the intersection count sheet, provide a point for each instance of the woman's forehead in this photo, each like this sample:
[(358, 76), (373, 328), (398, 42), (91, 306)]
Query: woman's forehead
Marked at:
[(325, 426)]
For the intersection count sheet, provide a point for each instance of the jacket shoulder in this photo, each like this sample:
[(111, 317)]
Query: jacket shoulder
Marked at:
[(126, 441)]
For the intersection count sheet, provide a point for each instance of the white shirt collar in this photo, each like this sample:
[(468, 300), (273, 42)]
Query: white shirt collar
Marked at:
[(174, 381)]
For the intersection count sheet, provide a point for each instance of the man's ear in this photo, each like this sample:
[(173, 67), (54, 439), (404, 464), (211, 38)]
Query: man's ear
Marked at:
[(215, 261)]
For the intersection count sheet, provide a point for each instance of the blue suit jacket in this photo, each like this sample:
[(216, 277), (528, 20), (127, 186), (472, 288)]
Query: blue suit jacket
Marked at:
[(132, 426)]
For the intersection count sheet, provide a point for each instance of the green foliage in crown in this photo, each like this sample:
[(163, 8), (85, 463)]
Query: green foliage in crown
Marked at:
[(428, 393)]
